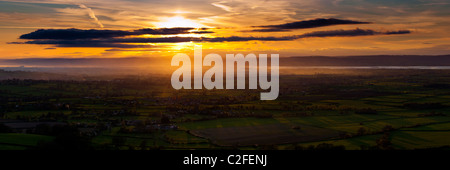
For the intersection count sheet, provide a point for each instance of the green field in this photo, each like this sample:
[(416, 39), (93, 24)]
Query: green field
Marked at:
[(14, 141), (408, 109)]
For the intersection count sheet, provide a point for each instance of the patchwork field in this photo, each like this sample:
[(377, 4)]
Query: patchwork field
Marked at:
[(264, 134), (405, 109)]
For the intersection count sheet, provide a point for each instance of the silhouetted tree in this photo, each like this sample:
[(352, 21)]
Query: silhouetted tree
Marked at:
[(119, 141), (4, 129), (361, 131), (165, 119), (66, 138), (384, 142)]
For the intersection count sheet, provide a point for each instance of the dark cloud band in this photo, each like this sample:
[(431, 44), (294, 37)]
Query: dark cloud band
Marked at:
[(351, 33), (134, 42), (320, 22), (73, 34)]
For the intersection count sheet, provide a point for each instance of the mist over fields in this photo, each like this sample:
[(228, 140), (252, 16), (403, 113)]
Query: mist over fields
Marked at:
[(92, 68), (371, 60)]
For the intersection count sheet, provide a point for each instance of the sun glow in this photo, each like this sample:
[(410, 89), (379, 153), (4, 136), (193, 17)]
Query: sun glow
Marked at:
[(177, 21)]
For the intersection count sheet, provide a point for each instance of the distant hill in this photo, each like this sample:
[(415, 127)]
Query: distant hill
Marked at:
[(375, 60), (4, 75), (79, 62)]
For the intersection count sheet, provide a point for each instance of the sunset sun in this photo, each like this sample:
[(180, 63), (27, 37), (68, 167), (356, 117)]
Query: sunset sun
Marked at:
[(177, 21)]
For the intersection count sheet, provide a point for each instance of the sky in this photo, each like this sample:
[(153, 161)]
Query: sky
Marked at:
[(160, 29)]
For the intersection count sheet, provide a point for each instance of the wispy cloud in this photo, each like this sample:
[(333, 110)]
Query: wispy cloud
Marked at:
[(222, 6), (91, 14)]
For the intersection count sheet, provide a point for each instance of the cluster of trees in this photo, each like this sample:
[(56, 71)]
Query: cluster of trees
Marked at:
[(66, 138), (4, 128), (423, 106), (431, 114), (367, 111), (322, 146)]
